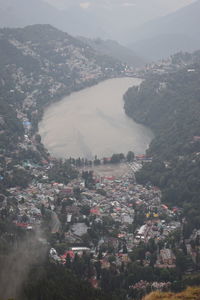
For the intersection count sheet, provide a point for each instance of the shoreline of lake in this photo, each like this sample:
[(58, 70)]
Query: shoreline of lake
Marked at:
[(93, 122)]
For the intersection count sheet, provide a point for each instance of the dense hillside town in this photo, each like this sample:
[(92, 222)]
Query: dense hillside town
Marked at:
[(103, 225), (40, 64)]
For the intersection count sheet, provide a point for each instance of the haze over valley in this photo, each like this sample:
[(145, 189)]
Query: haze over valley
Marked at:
[(152, 29)]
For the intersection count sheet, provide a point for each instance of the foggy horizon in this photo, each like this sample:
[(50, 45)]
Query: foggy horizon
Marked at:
[(130, 13), (107, 19)]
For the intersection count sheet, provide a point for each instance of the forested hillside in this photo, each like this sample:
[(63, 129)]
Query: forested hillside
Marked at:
[(43, 203), (170, 105), (39, 64), (27, 272), (116, 50), (166, 35)]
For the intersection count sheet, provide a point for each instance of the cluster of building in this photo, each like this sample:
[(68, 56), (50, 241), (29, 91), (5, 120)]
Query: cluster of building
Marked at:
[(166, 259), (114, 207), (75, 66), (145, 285), (112, 204)]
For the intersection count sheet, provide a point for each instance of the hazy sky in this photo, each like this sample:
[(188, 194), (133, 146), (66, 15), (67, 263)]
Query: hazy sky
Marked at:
[(109, 19), (164, 6), (118, 17)]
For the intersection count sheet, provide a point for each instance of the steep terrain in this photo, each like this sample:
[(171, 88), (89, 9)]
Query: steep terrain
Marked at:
[(170, 105), (87, 18), (39, 64), (115, 50), (169, 34)]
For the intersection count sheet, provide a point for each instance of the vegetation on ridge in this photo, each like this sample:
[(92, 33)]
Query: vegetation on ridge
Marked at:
[(170, 105)]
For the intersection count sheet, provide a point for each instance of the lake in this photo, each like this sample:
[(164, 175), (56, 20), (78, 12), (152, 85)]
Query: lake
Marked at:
[(93, 122)]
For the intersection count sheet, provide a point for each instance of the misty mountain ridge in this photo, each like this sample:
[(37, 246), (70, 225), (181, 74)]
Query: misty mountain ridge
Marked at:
[(115, 50), (105, 19), (74, 20), (116, 17), (21, 13), (165, 45), (169, 34)]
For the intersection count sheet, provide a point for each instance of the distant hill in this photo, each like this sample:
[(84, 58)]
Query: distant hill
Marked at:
[(115, 50), (116, 17), (20, 13), (169, 34), (86, 18)]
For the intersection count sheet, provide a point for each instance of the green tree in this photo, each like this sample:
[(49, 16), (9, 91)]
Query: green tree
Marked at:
[(130, 156)]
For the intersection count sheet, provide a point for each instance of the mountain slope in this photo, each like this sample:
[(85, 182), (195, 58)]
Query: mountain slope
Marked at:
[(167, 35), (40, 64), (20, 13), (170, 105), (105, 19), (115, 50)]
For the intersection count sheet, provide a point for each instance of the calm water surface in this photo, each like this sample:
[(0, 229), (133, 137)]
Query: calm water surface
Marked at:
[(93, 122)]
